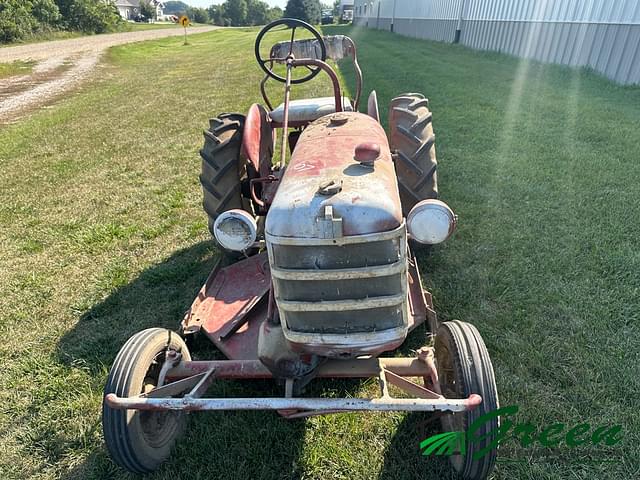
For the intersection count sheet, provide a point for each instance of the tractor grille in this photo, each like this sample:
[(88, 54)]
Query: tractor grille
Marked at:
[(344, 285)]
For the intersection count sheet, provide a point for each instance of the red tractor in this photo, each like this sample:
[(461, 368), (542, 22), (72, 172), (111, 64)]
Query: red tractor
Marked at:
[(323, 278)]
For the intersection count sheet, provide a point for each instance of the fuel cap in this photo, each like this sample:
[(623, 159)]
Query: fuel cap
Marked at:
[(367, 153), (338, 119)]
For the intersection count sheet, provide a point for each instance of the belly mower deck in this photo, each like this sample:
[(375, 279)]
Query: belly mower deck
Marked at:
[(229, 310)]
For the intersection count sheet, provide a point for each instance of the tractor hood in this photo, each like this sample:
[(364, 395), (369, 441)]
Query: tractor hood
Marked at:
[(326, 193)]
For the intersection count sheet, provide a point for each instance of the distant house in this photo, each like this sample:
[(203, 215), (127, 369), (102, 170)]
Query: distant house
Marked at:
[(129, 9)]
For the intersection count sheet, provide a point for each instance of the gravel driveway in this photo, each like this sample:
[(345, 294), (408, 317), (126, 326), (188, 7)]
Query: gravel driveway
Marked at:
[(62, 64)]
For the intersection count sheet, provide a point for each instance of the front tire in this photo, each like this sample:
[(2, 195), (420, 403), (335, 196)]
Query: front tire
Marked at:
[(137, 440), (464, 368)]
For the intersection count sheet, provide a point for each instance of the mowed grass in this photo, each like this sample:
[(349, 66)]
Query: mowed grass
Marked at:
[(15, 68), (134, 27), (102, 234)]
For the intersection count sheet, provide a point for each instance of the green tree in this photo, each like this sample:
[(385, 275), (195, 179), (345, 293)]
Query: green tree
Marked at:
[(198, 15), (147, 10), (336, 9), (236, 11), (16, 20), (175, 7), (21, 18), (274, 14), (90, 16), (216, 14), (46, 12), (257, 11), (306, 10), (243, 12)]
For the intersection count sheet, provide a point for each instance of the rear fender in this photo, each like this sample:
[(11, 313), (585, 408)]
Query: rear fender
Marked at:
[(258, 140)]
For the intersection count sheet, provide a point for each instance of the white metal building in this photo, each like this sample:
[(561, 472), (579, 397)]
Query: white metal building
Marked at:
[(601, 34)]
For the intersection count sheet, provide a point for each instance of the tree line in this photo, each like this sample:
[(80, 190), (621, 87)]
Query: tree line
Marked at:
[(20, 19), (23, 18), (238, 13)]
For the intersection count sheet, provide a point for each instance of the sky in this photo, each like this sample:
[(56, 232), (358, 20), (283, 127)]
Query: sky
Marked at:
[(206, 3)]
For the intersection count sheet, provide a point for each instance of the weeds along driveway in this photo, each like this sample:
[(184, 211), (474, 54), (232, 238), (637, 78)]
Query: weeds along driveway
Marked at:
[(61, 65), (102, 234)]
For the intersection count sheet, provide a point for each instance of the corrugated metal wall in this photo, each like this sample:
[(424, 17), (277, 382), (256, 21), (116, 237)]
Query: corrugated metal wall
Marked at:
[(602, 34)]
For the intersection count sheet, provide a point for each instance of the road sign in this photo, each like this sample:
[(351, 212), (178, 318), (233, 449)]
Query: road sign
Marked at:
[(184, 21)]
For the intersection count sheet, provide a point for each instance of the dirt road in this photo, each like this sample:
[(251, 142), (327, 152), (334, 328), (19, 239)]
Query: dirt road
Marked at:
[(61, 64)]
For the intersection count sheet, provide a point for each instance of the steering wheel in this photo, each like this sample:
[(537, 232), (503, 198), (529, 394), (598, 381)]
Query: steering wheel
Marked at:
[(293, 24)]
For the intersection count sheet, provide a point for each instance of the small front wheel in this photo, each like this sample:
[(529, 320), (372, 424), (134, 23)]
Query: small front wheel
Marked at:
[(140, 441), (464, 368)]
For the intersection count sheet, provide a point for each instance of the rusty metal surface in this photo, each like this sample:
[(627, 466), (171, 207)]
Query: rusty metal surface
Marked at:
[(369, 201), (329, 405), (337, 93), (346, 345), (370, 319), (254, 369), (263, 91), (372, 106), (224, 369), (427, 356), (231, 296), (418, 308), (408, 386), (203, 384), (175, 388), (338, 47), (306, 110), (388, 370), (420, 300)]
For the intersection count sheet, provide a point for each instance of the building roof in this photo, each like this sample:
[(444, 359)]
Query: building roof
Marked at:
[(127, 3), (136, 3)]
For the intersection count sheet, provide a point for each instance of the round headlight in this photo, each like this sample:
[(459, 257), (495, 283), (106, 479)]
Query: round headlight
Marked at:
[(235, 230), (431, 222)]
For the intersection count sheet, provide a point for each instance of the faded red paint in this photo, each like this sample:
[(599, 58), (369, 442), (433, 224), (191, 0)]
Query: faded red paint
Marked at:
[(325, 145), (369, 201), (367, 153), (257, 140), (230, 300)]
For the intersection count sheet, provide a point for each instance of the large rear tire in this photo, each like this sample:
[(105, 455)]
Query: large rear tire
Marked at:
[(137, 440), (223, 169), (464, 368), (412, 138)]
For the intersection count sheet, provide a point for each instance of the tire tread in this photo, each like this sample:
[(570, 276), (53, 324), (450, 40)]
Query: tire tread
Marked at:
[(477, 377), (412, 138), (114, 422)]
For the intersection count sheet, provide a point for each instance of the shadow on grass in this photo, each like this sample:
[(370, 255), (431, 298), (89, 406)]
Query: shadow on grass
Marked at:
[(158, 297), (238, 444), (403, 459)]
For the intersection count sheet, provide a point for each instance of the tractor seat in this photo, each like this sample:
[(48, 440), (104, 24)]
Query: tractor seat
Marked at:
[(309, 109)]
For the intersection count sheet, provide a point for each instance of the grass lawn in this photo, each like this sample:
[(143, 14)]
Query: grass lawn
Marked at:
[(134, 27), (15, 68), (44, 37), (102, 234)]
